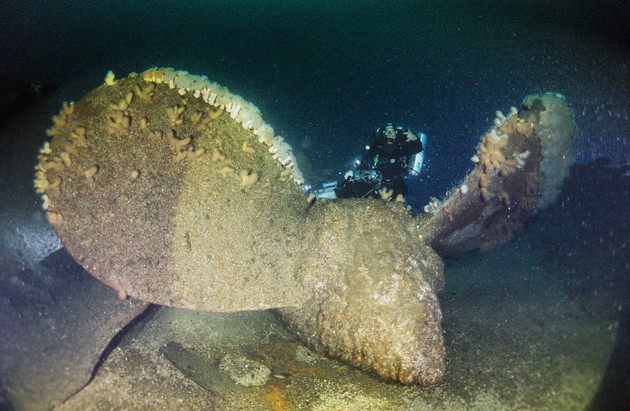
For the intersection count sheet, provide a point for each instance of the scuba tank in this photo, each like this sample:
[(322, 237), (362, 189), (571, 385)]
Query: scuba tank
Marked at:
[(414, 163)]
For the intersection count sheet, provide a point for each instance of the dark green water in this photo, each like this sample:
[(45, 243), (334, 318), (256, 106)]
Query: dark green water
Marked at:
[(325, 74)]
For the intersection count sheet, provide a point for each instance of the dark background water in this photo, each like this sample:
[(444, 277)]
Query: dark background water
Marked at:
[(325, 74)]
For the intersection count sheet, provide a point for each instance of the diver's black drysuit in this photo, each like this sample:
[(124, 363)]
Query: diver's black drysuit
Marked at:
[(385, 165)]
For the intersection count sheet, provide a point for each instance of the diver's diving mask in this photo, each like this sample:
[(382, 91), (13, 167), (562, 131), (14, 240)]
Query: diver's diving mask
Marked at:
[(389, 132)]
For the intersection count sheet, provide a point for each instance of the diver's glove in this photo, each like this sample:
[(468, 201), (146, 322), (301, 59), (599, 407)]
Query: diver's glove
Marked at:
[(410, 135)]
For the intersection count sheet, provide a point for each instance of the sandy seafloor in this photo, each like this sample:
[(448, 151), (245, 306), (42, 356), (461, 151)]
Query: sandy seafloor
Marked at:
[(538, 323), (515, 340)]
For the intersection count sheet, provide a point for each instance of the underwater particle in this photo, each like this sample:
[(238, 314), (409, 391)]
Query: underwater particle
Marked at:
[(90, 173), (109, 78), (248, 178)]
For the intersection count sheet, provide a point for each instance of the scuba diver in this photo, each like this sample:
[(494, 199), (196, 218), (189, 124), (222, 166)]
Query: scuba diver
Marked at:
[(393, 157)]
